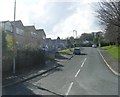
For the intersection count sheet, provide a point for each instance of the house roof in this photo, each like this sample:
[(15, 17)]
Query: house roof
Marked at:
[(18, 23), (30, 28), (4, 21), (41, 31), (48, 39)]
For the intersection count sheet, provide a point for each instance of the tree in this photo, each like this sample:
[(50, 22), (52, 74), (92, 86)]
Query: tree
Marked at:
[(111, 34), (109, 12), (86, 36), (86, 39), (109, 16), (70, 42)]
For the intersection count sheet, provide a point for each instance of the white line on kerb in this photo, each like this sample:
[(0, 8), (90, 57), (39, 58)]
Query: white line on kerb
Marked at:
[(83, 62), (77, 73), (69, 89)]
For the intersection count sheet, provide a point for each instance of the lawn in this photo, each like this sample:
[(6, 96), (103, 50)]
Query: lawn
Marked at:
[(113, 50), (66, 51)]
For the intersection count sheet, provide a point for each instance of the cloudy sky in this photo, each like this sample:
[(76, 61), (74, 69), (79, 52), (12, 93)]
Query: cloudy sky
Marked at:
[(56, 17)]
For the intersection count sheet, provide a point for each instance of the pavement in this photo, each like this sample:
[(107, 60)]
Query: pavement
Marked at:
[(27, 75), (17, 78)]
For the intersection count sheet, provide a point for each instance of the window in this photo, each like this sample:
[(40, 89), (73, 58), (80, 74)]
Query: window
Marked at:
[(8, 27), (33, 34), (19, 31)]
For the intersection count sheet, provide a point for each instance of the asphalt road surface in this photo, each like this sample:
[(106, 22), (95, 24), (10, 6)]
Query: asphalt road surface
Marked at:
[(85, 74)]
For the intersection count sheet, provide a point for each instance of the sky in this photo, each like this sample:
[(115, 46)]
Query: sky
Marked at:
[(56, 17)]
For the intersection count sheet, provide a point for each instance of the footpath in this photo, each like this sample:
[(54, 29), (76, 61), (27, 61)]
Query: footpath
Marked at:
[(32, 72), (111, 62), (28, 74)]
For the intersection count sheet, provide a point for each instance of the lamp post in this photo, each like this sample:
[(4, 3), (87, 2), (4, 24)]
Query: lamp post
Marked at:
[(73, 35), (14, 45)]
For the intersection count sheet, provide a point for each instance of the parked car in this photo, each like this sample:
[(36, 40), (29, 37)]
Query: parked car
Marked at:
[(44, 48), (77, 51), (94, 46)]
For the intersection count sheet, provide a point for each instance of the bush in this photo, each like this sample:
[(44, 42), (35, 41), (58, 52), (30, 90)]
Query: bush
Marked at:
[(26, 58)]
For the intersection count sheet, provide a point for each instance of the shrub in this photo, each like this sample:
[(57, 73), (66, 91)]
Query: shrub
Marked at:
[(27, 58)]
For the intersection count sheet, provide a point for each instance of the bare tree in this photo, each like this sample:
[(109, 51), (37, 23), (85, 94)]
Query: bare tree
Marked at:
[(109, 15), (109, 12)]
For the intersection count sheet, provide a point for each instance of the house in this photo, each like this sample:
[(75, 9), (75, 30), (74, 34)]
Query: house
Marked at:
[(49, 44), (42, 37), (19, 33), (31, 36), (58, 44), (7, 28), (24, 36)]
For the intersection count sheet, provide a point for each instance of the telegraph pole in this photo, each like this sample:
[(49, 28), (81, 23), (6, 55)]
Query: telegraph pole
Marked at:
[(14, 44)]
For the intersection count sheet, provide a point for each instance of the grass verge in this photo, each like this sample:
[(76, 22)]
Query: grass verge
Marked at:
[(66, 51), (113, 50)]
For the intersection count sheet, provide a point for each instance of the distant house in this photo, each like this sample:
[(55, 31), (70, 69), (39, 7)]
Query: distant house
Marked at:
[(58, 44), (49, 44), (42, 37)]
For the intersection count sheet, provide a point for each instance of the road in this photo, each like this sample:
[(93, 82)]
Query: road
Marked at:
[(85, 74)]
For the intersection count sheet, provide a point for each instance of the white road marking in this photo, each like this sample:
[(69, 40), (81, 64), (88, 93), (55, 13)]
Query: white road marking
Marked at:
[(77, 73), (69, 89), (107, 63), (75, 76), (81, 67), (83, 62)]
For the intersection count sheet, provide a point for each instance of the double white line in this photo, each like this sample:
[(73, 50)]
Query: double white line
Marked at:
[(75, 77)]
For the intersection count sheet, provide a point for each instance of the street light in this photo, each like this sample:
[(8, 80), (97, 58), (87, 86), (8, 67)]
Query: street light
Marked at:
[(73, 35), (14, 45)]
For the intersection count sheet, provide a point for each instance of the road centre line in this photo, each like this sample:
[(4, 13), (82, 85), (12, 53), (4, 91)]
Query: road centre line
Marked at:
[(83, 62), (69, 88), (75, 76), (81, 67), (77, 73)]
